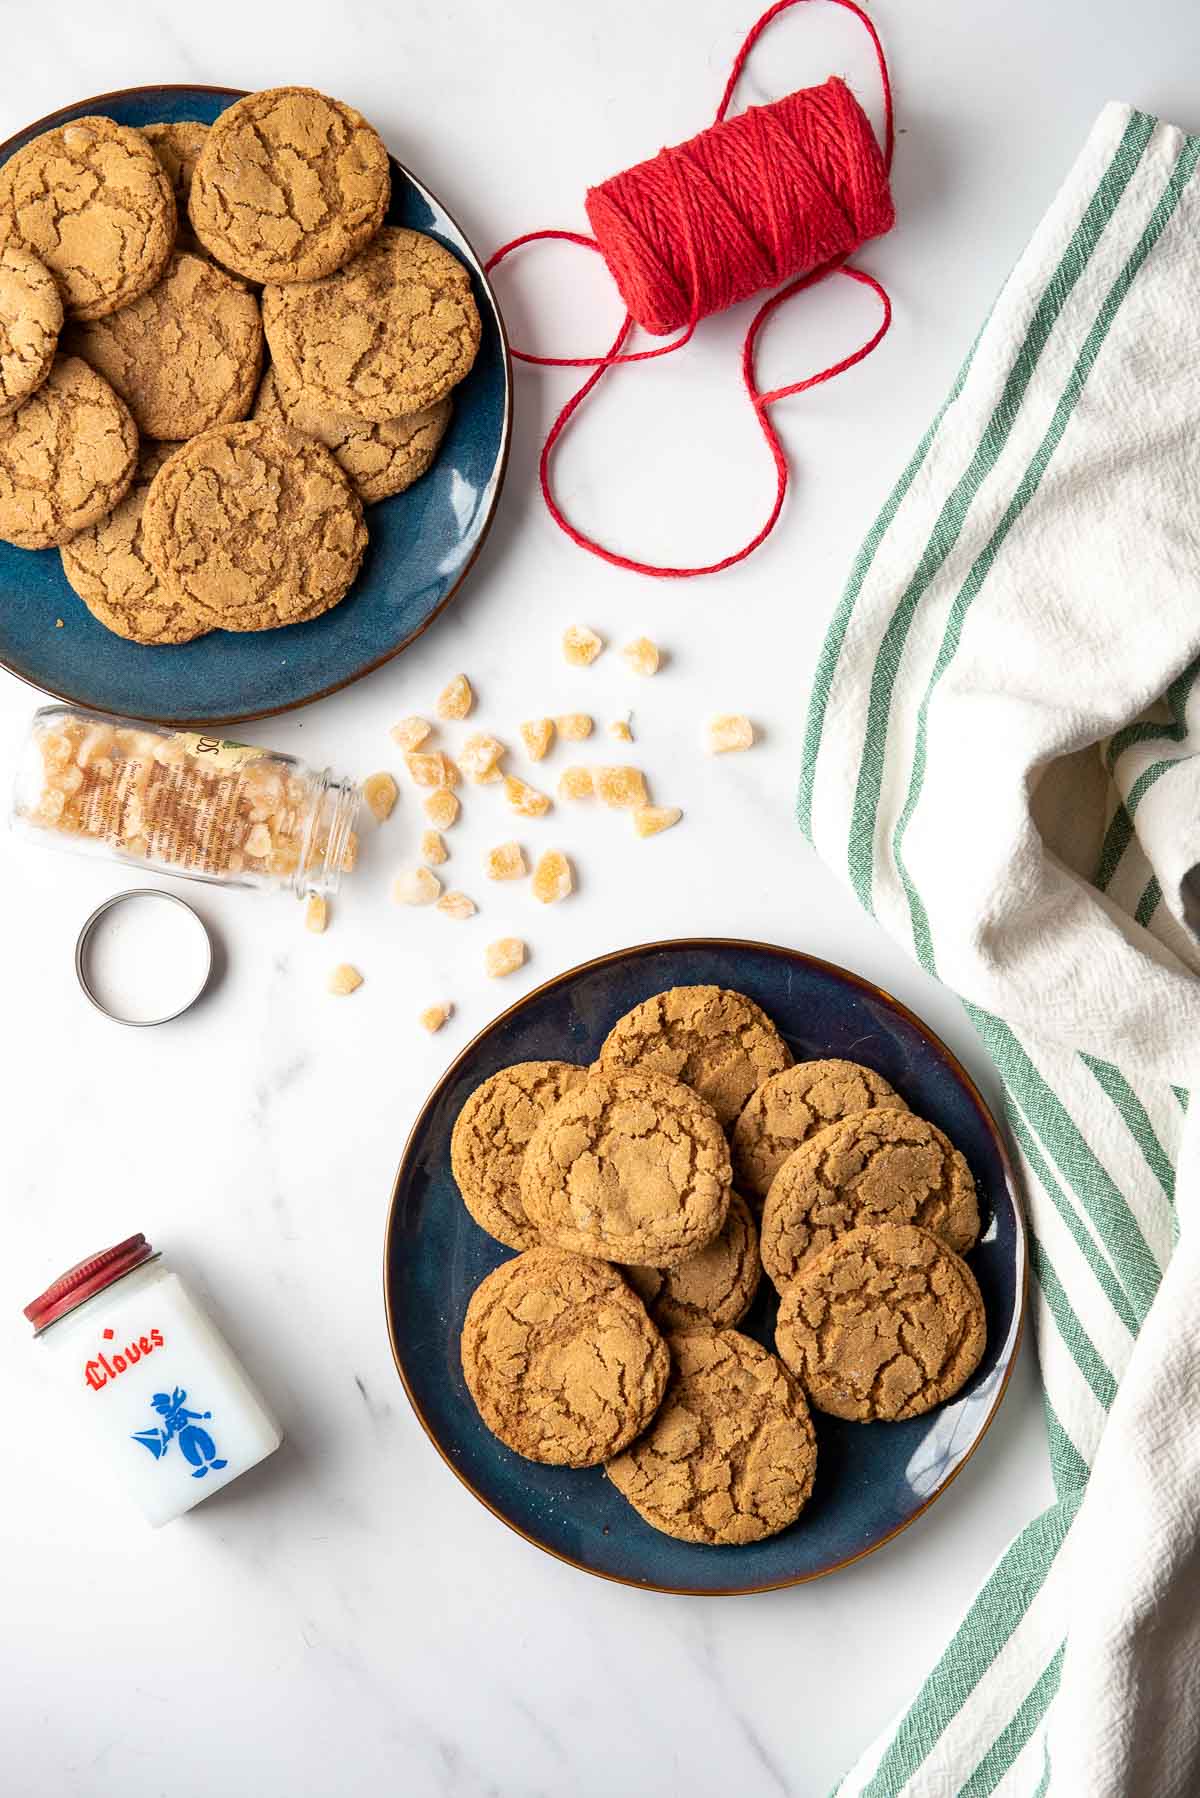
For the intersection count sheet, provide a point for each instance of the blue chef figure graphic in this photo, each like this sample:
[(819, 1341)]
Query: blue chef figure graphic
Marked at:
[(196, 1444)]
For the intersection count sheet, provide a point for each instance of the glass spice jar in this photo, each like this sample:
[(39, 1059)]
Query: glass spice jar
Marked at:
[(184, 802)]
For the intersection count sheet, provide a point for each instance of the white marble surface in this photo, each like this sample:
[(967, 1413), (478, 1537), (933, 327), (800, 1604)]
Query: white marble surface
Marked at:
[(348, 1619)]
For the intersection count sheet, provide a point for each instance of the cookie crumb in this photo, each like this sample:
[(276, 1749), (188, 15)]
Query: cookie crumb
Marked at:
[(580, 645), (624, 788), (316, 914), (344, 979), (620, 730), (574, 727), (537, 734), (642, 656), (552, 877), (504, 956), (381, 793), (410, 733), (479, 759), (505, 862), (455, 699), (433, 848), (58, 624), (729, 730), (442, 808), (576, 783), (416, 886), (648, 820), (457, 905), (432, 770), (524, 799), (434, 1016)]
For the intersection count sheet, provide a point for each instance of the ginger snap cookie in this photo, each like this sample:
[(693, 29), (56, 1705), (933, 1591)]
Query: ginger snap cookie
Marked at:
[(31, 317), (629, 1167), (92, 200), (288, 185), (714, 1040), (731, 1455), (178, 146), (185, 356), (67, 457), (885, 1323), (712, 1289), (253, 526), (561, 1358), (380, 459), (390, 333), (491, 1134), (879, 1166), (107, 567), (790, 1107)]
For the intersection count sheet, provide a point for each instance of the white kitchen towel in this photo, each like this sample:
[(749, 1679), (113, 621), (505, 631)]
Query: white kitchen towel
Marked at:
[(1001, 756)]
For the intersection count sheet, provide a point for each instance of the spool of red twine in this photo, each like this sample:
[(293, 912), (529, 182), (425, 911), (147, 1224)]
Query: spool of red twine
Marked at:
[(779, 193)]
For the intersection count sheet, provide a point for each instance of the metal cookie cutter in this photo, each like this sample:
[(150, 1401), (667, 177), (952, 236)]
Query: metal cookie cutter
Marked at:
[(191, 921)]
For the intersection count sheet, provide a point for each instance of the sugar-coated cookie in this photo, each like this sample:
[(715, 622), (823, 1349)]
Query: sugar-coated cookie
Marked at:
[(715, 1040), (490, 1136), (380, 459), (712, 1289), (67, 457), (31, 317), (792, 1106)]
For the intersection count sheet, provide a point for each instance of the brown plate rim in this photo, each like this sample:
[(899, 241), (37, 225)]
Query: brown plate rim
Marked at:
[(98, 101), (940, 1048)]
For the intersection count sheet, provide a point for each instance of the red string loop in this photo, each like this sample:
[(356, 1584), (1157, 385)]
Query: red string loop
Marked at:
[(785, 190)]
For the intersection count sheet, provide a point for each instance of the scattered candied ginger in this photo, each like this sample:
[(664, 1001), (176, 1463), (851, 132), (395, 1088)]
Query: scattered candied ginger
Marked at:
[(457, 905), (580, 645), (434, 1016), (576, 783), (649, 820), (410, 733), (416, 886), (505, 862), (433, 848), (442, 808), (381, 793), (479, 758), (623, 788), (537, 734), (504, 956), (574, 727), (344, 979), (552, 879), (455, 699), (642, 656), (525, 800), (316, 914), (432, 770), (728, 731)]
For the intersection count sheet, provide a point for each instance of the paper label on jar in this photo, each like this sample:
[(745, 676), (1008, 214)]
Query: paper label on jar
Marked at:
[(218, 752)]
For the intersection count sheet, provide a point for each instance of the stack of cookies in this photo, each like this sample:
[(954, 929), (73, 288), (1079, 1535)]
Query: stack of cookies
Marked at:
[(139, 274), (611, 1336)]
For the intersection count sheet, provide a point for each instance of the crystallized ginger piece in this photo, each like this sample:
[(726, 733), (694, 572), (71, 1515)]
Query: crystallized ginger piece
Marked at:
[(621, 731), (456, 698), (729, 730), (350, 853), (316, 914), (580, 645), (505, 862), (344, 979), (642, 656), (504, 956), (433, 849), (537, 734), (410, 733), (479, 759), (381, 793), (648, 820), (442, 808), (573, 727), (457, 905), (524, 799), (434, 1016), (576, 783), (416, 886), (433, 770), (623, 788), (258, 842), (552, 877)]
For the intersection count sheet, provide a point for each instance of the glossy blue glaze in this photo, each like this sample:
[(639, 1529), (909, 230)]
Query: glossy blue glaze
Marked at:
[(872, 1479), (422, 542)]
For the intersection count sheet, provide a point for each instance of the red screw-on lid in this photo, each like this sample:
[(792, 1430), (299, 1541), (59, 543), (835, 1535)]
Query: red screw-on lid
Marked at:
[(87, 1278)]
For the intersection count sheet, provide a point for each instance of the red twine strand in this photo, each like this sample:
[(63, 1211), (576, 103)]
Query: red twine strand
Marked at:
[(785, 192)]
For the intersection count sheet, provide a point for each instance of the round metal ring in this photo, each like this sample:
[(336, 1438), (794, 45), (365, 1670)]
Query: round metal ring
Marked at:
[(84, 941)]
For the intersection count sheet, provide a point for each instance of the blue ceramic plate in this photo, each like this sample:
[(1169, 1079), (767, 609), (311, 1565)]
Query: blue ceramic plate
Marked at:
[(423, 542), (872, 1479)]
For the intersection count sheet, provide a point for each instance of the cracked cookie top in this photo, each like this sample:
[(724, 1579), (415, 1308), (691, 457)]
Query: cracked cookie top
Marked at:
[(31, 317), (561, 1358), (66, 457), (491, 1134), (390, 333), (885, 1324), (714, 1040), (629, 1167), (178, 146), (712, 1289), (879, 1166), (380, 459), (253, 526), (790, 1107), (731, 1455), (185, 356), (107, 567), (92, 200), (288, 185)]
